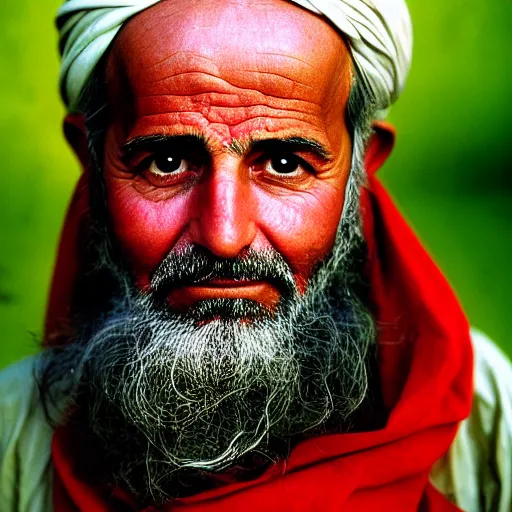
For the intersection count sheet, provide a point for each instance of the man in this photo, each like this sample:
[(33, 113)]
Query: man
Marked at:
[(240, 319)]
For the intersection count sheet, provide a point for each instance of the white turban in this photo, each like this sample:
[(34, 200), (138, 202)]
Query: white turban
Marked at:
[(379, 34)]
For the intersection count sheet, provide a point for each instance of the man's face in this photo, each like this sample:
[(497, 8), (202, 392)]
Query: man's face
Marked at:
[(227, 133), (226, 161)]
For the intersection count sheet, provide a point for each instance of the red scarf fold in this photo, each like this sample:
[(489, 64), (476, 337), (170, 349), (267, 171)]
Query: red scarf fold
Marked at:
[(425, 363)]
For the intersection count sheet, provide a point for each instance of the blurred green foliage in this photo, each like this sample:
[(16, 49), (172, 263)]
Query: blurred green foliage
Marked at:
[(450, 172)]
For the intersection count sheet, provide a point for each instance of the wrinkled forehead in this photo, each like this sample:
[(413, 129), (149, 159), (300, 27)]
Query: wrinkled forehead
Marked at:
[(234, 36)]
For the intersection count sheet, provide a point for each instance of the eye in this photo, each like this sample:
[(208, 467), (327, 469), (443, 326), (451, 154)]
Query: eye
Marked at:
[(284, 165), (168, 163)]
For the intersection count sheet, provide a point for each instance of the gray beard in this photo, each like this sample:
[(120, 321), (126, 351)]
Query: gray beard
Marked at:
[(171, 398)]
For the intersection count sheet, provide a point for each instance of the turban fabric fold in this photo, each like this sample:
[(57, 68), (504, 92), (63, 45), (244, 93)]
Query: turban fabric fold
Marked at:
[(378, 31)]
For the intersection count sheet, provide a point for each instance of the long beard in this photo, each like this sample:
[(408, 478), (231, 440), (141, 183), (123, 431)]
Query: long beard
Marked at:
[(172, 398)]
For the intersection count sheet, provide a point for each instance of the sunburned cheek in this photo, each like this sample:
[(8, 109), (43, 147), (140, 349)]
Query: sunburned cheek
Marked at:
[(302, 228), (146, 230)]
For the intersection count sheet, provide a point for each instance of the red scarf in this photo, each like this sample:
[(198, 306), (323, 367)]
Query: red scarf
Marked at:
[(425, 362)]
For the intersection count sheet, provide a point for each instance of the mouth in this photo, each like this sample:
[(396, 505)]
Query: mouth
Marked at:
[(184, 297)]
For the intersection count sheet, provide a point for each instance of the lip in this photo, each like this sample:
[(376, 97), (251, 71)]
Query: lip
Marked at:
[(227, 283), (185, 297)]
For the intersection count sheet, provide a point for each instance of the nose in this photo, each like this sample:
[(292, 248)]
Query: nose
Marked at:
[(225, 225)]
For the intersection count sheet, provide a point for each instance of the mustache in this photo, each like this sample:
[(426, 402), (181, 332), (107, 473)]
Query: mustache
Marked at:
[(196, 265)]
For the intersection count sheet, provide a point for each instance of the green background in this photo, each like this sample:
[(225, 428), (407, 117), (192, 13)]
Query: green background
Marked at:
[(450, 172)]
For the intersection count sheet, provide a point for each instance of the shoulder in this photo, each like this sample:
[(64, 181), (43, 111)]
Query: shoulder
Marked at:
[(493, 376), (477, 471), (17, 386), (25, 439)]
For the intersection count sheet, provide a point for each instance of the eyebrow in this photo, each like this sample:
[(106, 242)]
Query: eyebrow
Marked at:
[(198, 142), (291, 144), (157, 142)]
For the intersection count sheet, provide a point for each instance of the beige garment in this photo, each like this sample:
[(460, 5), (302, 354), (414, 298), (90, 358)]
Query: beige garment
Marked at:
[(476, 474)]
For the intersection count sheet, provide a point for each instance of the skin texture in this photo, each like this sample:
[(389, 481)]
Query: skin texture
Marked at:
[(231, 73)]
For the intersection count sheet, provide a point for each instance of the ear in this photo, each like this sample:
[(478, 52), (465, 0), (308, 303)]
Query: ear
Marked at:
[(379, 146), (75, 133)]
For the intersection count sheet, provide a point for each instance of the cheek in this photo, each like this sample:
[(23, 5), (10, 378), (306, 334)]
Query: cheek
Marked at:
[(146, 230), (302, 227)]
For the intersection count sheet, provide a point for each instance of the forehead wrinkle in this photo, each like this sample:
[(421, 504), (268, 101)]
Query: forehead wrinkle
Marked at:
[(219, 90), (184, 122), (176, 56), (208, 54), (279, 75), (220, 77), (214, 90), (292, 105), (232, 123), (282, 65), (286, 56), (187, 60)]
